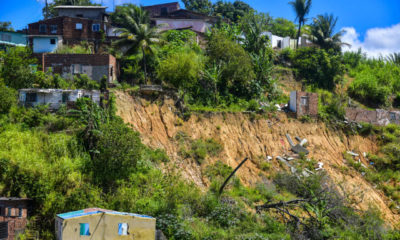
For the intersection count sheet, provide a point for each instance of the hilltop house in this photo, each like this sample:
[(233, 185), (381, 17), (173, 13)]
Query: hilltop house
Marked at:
[(304, 103), (170, 16), (54, 98), (72, 25), (96, 223), (13, 216)]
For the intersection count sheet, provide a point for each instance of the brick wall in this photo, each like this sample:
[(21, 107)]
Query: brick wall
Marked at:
[(311, 109), (155, 10), (66, 26), (15, 223), (94, 65)]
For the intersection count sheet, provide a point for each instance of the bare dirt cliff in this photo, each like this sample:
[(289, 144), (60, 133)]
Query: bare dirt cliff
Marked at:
[(242, 137)]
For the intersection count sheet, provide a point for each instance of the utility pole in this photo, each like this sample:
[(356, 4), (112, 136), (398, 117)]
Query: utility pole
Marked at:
[(47, 11)]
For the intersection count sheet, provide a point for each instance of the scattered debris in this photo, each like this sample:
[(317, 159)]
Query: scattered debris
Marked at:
[(269, 158), (303, 142), (320, 166), (290, 140), (353, 153), (300, 149)]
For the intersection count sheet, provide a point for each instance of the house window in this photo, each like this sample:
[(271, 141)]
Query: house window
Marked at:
[(20, 212), (31, 97), (392, 116), (279, 44), (304, 101), (122, 229), (164, 11), (112, 71), (52, 41), (96, 27), (1, 211), (53, 28), (79, 15), (78, 26), (42, 28), (84, 229), (9, 211), (3, 230)]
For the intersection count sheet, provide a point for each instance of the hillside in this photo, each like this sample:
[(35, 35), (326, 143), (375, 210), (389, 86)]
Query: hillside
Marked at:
[(241, 136)]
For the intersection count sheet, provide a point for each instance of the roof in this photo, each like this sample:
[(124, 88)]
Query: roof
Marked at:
[(187, 14), (163, 5), (13, 199), (77, 7), (52, 90), (93, 211)]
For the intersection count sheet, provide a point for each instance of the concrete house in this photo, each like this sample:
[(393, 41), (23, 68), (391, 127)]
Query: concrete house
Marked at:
[(101, 224), (304, 103), (89, 12), (95, 66), (54, 98), (171, 17), (13, 39), (13, 216)]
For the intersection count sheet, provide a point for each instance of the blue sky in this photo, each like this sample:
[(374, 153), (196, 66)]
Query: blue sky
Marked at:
[(365, 21)]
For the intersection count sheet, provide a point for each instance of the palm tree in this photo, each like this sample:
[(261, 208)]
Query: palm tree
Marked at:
[(394, 58), (302, 9), (136, 35), (322, 32)]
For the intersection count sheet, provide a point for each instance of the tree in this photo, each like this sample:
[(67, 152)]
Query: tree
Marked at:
[(53, 12), (202, 6), (6, 26), (118, 16), (302, 9), (237, 70), (16, 70), (254, 25), (322, 31), (231, 11), (137, 37), (8, 97), (283, 27), (181, 69)]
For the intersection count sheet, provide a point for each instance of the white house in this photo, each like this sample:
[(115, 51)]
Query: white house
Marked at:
[(46, 43), (54, 98)]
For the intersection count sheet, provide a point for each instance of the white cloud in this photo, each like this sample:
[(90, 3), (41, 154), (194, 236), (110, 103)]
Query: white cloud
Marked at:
[(377, 42)]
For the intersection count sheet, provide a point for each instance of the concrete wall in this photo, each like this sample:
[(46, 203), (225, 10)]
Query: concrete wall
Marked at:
[(43, 45), (104, 226), (378, 117), (54, 97), (197, 25), (292, 101)]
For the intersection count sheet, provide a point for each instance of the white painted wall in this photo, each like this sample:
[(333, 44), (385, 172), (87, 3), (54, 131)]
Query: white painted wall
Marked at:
[(195, 24), (42, 44), (292, 102)]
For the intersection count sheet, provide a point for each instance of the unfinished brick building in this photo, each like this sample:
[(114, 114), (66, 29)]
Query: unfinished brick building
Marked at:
[(94, 65), (13, 217), (304, 103)]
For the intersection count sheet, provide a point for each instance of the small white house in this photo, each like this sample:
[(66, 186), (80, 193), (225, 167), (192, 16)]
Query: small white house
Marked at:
[(46, 43), (54, 98)]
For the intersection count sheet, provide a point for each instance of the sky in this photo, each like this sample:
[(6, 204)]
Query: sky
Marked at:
[(373, 25)]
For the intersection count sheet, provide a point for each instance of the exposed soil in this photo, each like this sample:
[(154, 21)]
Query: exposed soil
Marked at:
[(258, 138)]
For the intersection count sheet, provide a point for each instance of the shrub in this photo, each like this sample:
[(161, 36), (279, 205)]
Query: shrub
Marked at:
[(8, 98), (181, 69), (317, 67)]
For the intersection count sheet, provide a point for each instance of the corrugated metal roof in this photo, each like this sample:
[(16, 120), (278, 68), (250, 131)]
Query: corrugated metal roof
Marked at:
[(92, 211), (75, 6)]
